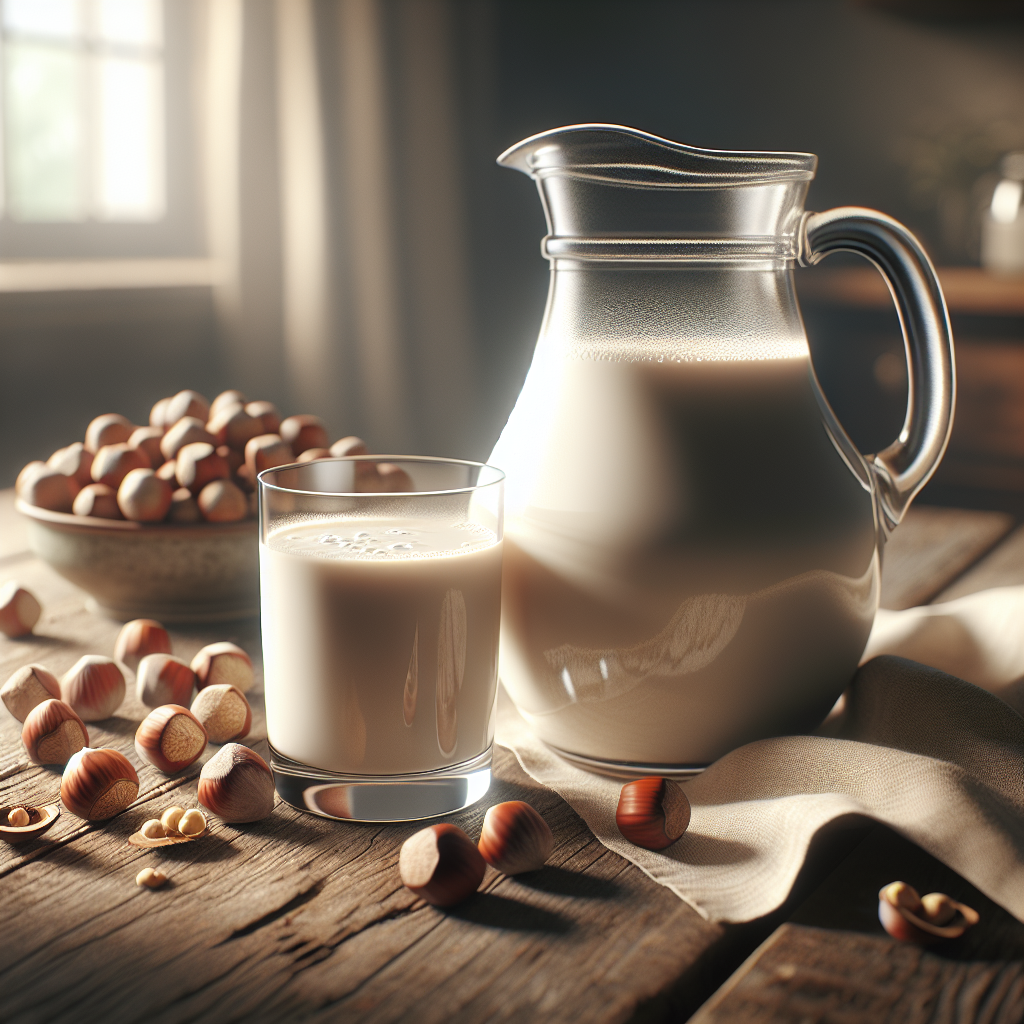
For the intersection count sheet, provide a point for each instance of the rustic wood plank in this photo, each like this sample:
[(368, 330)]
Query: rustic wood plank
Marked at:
[(932, 547)]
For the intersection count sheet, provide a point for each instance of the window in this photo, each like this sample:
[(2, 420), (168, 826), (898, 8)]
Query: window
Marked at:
[(96, 154)]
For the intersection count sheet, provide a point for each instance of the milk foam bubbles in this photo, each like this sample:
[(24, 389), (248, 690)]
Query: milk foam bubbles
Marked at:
[(380, 642)]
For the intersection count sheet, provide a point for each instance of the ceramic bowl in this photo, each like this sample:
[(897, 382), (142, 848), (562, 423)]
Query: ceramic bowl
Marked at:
[(202, 572)]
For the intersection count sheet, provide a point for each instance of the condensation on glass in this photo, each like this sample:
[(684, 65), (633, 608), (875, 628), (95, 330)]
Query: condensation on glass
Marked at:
[(82, 110)]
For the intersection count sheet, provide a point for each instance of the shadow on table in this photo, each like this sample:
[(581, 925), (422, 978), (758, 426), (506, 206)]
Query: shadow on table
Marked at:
[(493, 911), (560, 882)]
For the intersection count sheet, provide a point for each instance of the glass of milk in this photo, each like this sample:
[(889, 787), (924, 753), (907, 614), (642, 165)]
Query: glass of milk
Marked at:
[(380, 584)]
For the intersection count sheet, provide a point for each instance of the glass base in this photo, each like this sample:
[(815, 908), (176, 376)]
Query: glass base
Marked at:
[(627, 769), (381, 797)]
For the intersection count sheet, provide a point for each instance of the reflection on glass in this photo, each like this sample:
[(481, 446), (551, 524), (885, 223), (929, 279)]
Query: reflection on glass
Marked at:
[(83, 109)]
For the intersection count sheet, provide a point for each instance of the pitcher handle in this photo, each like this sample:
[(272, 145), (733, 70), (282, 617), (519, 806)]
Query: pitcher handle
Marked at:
[(902, 469)]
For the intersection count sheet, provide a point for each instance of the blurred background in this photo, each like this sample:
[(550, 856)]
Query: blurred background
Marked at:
[(299, 198)]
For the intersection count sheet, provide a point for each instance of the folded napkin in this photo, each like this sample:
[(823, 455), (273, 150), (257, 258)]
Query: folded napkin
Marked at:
[(937, 758)]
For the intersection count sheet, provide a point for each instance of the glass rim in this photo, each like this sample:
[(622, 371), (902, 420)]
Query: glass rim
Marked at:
[(263, 482)]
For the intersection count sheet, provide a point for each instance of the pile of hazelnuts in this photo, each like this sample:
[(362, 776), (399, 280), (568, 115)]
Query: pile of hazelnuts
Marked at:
[(97, 784), (196, 461)]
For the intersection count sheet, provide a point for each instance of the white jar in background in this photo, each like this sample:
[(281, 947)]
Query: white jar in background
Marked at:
[(1002, 223)]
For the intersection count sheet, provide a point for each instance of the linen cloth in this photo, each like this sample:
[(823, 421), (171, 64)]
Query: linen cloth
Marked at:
[(930, 751)]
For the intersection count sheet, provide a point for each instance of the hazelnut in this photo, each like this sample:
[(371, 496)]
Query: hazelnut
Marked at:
[(41, 485), (171, 817), (192, 823), (94, 687), (223, 712), (109, 428), (901, 895), (184, 431), (170, 738), (97, 784), (153, 829), (267, 414), (302, 432), (139, 638), (184, 508), (938, 908), (18, 817), (224, 399), (221, 501), (652, 812), (19, 609), (312, 454), (265, 451), (113, 462), (169, 472), (236, 784), (147, 440), (392, 478), (441, 865), (234, 459), (98, 501), (150, 878), (910, 918), (515, 838), (187, 403), (197, 464), (143, 497), (53, 732), (233, 426), (348, 446), (164, 679), (158, 415), (27, 688), (73, 461), (223, 662)]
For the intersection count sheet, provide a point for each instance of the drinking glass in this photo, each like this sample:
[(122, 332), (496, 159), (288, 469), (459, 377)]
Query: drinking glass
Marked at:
[(380, 583)]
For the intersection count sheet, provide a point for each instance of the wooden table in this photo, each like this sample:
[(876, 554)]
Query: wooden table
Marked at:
[(298, 918)]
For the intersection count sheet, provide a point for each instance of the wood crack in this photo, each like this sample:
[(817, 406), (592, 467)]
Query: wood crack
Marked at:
[(275, 915)]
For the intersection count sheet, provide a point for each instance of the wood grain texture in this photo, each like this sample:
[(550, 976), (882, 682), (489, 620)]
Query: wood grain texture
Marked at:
[(1002, 567), (934, 546)]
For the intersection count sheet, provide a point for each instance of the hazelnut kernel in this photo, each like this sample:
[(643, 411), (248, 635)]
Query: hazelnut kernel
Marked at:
[(171, 817), (441, 864), (192, 823), (153, 829), (938, 908), (150, 878), (18, 818)]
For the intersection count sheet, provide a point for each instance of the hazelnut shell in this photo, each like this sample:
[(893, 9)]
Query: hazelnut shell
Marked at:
[(27, 688), (652, 812), (139, 638), (97, 784), (40, 819), (53, 732), (515, 838), (170, 738), (236, 785), (441, 865), (223, 662), (164, 679), (19, 610), (224, 712), (94, 687)]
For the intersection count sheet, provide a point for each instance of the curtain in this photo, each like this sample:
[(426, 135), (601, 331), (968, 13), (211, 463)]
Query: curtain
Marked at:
[(336, 213)]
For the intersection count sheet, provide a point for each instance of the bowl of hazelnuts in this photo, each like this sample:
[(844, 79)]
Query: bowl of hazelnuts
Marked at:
[(159, 521)]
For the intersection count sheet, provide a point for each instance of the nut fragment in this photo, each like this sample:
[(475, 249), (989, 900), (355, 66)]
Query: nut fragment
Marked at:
[(143, 497), (139, 638), (924, 920), (19, 609), (18, 818), (192, 823), (171, 817), (153, 829), (441, 865), (164, 679), (28, 687), (223, 662), (515, 838), (97, 784), (53, 732), (97, 500), (236, 784), (652, 812), (171, 738), (150, 878), (94, 687), (223, 711)]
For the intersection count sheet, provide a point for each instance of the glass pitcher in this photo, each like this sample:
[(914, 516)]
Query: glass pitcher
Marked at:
[(692, 544)]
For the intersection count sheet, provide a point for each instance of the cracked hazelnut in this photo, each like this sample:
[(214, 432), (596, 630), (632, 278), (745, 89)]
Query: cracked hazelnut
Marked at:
[(164, 679), (110, 428), (97, 500), (139, 638), (223, 711), (143, 497), (441, 864), (19, 609), (924, 920), (27, 688), (515, 838), (223, 662), (97, 784), (652, 812), (94, 687), (236, 784), (150, 878), (302, 432), (53, 732), (170, 738)]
